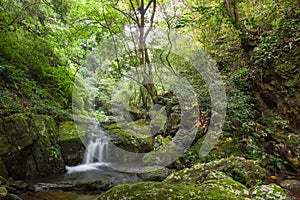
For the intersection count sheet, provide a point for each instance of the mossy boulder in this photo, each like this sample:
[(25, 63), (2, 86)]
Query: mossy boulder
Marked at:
[(163, 191), (245, 171), (229, 186), (29, 145), (72, 148), (268, 192), (3, 192), (163, 154), (132, 136)]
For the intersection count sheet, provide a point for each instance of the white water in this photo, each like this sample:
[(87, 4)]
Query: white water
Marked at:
[(97, 151), (96, 154), (85, 167)]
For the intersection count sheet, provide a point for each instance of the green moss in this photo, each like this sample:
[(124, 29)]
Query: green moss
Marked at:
[(3, 192), (268, 192), (68, 130), (132, 136), (225, 186), (162, 191), (164, 155), (252, 172)]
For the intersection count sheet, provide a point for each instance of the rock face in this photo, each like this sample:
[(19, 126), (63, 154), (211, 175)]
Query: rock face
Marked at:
[(29, 146), (72, 148)]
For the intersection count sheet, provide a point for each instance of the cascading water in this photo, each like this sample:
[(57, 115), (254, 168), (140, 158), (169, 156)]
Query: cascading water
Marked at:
[(97, 151)]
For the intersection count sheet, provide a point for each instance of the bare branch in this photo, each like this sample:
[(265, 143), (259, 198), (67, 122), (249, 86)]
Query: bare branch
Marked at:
[(126, 14), (137, 21)]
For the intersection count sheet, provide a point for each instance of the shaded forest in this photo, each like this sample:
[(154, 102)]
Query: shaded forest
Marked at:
[(62, 60)]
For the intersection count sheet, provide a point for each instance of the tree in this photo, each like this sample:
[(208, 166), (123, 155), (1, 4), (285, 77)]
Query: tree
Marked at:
[(139, 14)]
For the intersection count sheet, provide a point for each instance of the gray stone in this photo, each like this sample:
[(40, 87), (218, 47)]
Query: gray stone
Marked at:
[(20, 185), (154, 173)]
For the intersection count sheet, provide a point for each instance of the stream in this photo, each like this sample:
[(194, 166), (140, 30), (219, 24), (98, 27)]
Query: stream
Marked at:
[(95, 175)]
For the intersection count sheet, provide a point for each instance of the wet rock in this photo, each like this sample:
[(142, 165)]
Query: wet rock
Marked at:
[(20, 185), (247, 172), (268, 192), (91, 185), (94, 180)]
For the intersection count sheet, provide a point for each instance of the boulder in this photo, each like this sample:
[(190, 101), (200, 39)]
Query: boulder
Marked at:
[(247, 172), (3, 192), (20, 185), (162, 191), (226, 186), (132, 136), (72, 148), (28, 145)]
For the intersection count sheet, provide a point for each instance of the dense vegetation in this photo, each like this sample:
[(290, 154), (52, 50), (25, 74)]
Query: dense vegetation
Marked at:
[(46, 44)]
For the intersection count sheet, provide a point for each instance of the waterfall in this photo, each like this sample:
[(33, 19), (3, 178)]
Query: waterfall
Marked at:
[(96, 151)]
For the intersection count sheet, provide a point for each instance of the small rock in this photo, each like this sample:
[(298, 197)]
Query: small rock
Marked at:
[(20, 185), (3, 192), (12, 197)]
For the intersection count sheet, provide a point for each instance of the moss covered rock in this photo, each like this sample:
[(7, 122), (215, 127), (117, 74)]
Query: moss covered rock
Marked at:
[(163, 191), (228, 186), (245, 171), (29, 145), (133, 136), (3, 192), (72, 148), (268, 192)]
